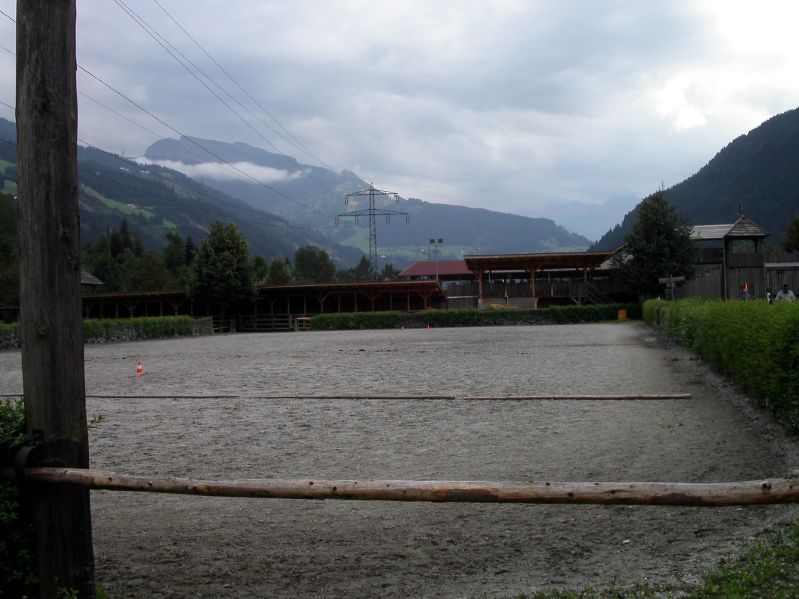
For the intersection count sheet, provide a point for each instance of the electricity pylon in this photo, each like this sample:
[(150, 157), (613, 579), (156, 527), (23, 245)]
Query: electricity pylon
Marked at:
[(371, 212)]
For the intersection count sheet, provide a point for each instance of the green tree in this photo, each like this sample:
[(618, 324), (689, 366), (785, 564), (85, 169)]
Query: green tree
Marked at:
[(279, 272), (658, 244), (174, 256), (312, 264), (359, 273), (121, 263), (222, 267), (260, 268), (389, 273), (144, 272), (189, 250), (790, 242)]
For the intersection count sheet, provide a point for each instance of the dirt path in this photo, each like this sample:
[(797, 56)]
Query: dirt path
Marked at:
[(180, 546)]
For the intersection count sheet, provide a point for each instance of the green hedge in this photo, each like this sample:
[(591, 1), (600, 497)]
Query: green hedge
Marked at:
[(130, 329), (754, 343), (125, 329), (471, 318)]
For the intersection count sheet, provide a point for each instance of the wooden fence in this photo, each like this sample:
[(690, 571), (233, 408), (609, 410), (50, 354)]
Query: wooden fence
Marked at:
[(752, 492)]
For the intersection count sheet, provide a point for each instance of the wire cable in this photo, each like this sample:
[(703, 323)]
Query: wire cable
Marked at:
[(184, 61), (253, 100), (194, 142), (203, 148)]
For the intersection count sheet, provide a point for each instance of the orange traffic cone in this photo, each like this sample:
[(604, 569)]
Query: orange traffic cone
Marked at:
[(139, 369)]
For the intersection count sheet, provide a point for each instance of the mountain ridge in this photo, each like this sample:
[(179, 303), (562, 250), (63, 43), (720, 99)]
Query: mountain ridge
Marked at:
[(756, 171), (154, 200), (464, 229)]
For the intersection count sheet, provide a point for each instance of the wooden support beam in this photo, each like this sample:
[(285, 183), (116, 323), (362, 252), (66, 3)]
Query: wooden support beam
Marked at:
[(754, 492), (50, 305)]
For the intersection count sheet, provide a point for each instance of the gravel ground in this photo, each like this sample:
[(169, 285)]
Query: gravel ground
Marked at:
[(149, 545)]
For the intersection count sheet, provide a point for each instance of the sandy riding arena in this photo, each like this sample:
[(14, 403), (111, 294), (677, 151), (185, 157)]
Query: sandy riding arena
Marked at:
[(150, 545)]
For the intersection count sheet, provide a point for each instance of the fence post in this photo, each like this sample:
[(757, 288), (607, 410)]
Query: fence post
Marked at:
[(50, 305)]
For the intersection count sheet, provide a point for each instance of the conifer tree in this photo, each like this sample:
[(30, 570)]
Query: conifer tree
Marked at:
[(222, 267), (659, 244)]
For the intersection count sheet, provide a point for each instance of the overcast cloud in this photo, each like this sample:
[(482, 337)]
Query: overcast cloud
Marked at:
[(571, 110)]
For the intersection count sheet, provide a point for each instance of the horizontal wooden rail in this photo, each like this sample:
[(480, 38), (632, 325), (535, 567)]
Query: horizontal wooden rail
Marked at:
[(582, 397), (663, 396), (403, 397), (776, 490)]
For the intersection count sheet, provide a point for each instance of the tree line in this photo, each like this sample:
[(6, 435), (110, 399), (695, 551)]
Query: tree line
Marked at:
[(219, 269)]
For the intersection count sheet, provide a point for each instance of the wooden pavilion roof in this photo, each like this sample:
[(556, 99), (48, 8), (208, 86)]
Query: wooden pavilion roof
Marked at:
[(425, 287), (547, 260)]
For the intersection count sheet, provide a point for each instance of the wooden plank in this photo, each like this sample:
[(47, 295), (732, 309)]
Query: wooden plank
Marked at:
[(754, 492), (50, 304)]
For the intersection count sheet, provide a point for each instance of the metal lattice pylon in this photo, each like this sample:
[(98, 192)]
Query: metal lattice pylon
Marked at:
[(372, 213)]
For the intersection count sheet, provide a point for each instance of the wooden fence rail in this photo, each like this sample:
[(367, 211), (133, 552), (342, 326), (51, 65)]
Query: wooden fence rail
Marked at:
[(769, 491), (423, 397)]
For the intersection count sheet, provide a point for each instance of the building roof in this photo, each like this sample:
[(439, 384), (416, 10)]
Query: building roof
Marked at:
[(430, 287), (743, 228), (87, 278), (547, 260), (431, 268)]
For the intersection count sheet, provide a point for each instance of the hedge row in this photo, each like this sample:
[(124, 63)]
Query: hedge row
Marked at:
[(471, 318), (754, 343), (125, 329), (132, 329), (8, 336)]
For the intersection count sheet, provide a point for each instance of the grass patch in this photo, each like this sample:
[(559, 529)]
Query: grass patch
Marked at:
[(767, 570), (114, 204)]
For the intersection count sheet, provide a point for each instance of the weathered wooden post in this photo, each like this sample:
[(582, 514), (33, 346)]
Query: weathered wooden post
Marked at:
[(50, 307)]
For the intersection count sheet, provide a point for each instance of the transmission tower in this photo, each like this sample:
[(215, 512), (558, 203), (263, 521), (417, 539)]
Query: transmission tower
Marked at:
[(372, 213)]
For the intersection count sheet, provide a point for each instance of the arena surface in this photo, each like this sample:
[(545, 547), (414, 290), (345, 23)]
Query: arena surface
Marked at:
[(149, 545)]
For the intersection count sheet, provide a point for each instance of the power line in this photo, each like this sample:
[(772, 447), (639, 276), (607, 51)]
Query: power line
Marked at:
[(150, 131), (194, 142), (253, 100), (183, 60), (175, 201)]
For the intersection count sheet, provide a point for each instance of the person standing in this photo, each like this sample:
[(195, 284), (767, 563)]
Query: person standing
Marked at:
[(785, 294)]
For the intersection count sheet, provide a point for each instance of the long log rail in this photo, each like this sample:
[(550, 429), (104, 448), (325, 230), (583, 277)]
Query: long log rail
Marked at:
[(423, 397), (755, 492)]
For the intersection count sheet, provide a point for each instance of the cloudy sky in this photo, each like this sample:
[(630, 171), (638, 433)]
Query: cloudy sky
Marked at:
[(567, 109)]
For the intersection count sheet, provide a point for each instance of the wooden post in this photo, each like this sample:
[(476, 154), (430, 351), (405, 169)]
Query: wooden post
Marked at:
[(50, 306), (479, 273), (532, 269)]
